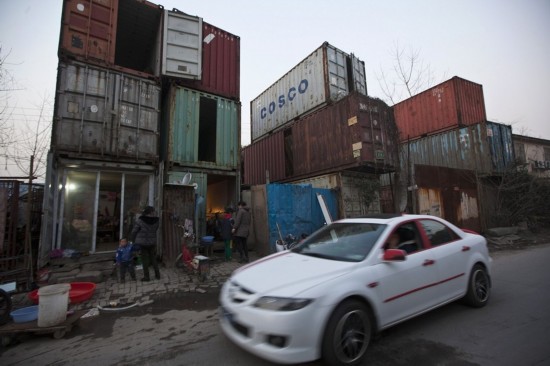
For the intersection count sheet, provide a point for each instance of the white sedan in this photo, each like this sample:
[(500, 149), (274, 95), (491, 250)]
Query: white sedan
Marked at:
[(328, 296)]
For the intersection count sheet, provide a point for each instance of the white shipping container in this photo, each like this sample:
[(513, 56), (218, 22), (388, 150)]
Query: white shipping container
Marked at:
[(182, 46), (322, 77)]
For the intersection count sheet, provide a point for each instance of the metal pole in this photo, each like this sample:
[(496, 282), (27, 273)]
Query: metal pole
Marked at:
[(28, 241)]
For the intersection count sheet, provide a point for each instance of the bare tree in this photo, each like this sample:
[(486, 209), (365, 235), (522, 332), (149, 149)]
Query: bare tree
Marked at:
[(34, 140), (408, 76), (7, 85)]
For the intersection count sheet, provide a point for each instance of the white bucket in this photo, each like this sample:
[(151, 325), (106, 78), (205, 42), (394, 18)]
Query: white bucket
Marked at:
[(53, 302)]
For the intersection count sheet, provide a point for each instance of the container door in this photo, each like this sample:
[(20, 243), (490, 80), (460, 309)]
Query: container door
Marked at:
[(182, 46), (358, 75), (337, 73)]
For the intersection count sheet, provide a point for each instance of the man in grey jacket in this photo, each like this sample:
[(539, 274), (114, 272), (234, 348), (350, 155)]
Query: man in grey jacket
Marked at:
[(144, 234), (241, 229)]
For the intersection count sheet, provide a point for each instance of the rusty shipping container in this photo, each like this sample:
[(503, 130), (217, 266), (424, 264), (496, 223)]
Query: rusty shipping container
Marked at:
[(485, 148), (88, 29), (356, 133), (220, 63), (325, 76), (135, 37), (454, 103), (448, 193), (104, 114), (264, 160), (201, 129)]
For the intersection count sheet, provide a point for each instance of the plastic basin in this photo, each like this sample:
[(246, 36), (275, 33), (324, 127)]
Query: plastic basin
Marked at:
[(27, 314), (79, 292)]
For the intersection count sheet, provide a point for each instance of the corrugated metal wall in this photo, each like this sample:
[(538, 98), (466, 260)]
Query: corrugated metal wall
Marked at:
[(184, 119), (454, 103)]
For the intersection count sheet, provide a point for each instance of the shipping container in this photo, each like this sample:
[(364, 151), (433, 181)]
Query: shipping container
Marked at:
[(105, 114), (89, 28), (264, 160), (448, 193), (325, 76), (220, 63), (485, 148), (454, 103), (348, 185), (201, 129), (136, 37), (355, 133)]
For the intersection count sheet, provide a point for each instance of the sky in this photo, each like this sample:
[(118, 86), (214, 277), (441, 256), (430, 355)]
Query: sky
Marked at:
[(503, 45)]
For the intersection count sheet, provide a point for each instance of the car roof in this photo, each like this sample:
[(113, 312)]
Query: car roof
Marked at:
[(387, 218)]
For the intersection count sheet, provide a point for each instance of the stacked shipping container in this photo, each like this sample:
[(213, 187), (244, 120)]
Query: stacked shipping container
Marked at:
[(354, 133), (325, 76), (454, 103), (125, 66)]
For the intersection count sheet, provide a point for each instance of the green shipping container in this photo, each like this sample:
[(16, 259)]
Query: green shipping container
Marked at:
[(202, 130)]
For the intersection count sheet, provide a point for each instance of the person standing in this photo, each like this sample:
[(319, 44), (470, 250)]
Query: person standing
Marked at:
[(225, 233), (144, 234), (241, 229)]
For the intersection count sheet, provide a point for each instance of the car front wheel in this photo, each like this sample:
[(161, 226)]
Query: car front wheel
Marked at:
[(479, 287), (347, 335)]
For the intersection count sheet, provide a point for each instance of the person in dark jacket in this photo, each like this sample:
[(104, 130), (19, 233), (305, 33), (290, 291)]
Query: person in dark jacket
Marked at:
[(144, 234), (125, 259), (241, 229), (225, 233)]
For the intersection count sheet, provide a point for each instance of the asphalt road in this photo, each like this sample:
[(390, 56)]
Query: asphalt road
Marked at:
[(513, 329)]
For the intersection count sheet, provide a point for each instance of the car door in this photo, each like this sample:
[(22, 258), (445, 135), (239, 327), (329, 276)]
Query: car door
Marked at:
[(407, 287), (451, 256)]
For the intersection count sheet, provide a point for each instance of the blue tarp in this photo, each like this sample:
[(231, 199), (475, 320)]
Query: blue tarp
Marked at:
[(295, 209)]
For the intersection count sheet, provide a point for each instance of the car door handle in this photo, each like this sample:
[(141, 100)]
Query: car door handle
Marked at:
[(465, 248), (428, 262)]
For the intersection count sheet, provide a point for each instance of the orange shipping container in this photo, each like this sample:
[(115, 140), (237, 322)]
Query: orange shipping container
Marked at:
[(454, 103)]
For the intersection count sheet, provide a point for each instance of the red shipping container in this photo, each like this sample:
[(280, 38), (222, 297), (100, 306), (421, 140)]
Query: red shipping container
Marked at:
[(221, 64), (89, 30), (454, 103), (264, 157)]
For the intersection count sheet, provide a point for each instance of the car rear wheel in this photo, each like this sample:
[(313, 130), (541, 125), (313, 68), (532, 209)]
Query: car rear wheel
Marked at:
[(347, 335), (479, 287)]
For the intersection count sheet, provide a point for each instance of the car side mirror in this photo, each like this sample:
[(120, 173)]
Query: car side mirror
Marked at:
[(394, 255)]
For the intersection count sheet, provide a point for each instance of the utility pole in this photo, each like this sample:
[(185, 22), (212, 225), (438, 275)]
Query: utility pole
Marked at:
[(28, 240)]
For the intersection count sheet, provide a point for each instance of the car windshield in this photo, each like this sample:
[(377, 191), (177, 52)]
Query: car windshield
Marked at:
[(350, 242)]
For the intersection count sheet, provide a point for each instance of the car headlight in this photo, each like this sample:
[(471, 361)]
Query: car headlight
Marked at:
[(281, 303)]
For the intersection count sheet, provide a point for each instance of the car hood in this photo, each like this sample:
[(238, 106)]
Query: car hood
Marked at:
[(288, 274)]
